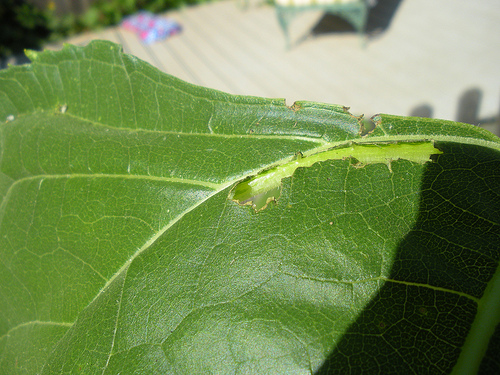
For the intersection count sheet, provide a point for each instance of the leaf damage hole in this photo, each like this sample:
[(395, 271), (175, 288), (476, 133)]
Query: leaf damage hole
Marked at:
[(265, 187), (295, 106), (367, 126)]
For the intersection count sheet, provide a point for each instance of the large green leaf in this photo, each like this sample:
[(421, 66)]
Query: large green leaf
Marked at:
[(123, 249)]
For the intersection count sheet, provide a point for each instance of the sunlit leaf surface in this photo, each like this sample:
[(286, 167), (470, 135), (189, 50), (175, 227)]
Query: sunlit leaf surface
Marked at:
[(122, 252)]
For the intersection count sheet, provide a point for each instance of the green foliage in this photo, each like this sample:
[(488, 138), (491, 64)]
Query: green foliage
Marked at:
[(122, 252), (23, 26)]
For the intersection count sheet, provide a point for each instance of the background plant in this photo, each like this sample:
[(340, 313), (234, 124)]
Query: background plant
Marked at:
[(24, 26)]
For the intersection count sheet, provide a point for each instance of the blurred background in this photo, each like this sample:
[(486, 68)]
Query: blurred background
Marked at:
[(428, 58)]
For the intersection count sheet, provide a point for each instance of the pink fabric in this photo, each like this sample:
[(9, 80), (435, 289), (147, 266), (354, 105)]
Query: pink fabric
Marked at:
[(149, 27)]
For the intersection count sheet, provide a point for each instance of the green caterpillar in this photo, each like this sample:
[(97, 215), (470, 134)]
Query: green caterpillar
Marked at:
[(264, 187)]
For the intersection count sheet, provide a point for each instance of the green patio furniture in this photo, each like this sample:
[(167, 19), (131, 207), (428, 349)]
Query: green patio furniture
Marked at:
[(353, 11)]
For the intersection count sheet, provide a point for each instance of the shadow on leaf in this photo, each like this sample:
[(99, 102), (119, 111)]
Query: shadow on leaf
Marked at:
[(422, 315)]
